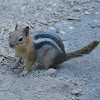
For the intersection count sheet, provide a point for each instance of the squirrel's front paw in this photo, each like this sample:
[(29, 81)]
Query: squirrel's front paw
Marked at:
[(15, 66), (23, 74)]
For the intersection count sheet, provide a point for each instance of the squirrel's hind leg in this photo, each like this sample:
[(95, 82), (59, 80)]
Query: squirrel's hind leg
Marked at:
[(48, 59)]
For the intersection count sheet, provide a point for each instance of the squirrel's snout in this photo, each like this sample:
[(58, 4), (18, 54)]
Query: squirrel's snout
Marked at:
[(11, 45)]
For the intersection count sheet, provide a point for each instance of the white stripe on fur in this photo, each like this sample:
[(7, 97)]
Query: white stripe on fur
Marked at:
[(50, 40)]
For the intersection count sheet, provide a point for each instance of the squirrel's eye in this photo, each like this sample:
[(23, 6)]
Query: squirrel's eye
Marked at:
[(20, 38)]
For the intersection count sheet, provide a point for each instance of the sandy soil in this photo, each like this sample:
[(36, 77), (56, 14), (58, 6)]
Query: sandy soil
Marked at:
[(77, 22)]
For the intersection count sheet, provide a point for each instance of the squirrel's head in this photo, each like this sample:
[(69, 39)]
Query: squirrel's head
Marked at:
[(19, 37)]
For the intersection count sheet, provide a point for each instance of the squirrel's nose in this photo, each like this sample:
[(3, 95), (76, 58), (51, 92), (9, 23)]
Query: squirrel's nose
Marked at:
[(11, 45)]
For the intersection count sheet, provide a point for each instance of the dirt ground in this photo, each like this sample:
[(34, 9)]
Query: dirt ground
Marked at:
[(77, 22)]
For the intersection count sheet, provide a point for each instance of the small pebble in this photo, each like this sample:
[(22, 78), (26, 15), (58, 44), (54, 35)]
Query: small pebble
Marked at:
[(93, 89), (52, 28), (1, 58), (96, 13), (51, 72), (71, 28), (86, 12), (76, 92), (6, 43), (62, 32)]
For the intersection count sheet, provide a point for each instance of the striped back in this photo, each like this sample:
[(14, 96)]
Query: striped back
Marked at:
[(48, 39)]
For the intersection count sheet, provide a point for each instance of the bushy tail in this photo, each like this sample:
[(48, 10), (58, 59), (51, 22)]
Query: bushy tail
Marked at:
[(84, 50)]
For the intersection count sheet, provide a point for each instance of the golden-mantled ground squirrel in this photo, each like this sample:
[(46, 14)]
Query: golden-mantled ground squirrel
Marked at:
[(44, 48)]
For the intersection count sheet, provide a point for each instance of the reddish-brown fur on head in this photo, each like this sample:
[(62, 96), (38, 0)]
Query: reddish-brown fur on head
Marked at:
[(19, 37)]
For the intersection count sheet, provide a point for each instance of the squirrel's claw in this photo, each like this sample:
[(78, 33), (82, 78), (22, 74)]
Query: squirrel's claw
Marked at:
[(23, 74), (14, 68)]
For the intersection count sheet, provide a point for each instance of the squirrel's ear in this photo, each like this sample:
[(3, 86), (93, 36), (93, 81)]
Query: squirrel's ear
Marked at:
[(16, 28), (26, 30)]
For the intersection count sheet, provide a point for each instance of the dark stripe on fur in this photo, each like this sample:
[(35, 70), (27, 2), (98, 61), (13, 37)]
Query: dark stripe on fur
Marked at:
[(50, 37), (41, 44)]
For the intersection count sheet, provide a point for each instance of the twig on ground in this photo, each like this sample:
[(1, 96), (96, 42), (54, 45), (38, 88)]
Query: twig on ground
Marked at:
[(8, 91), (30, 24), (8, 57)]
